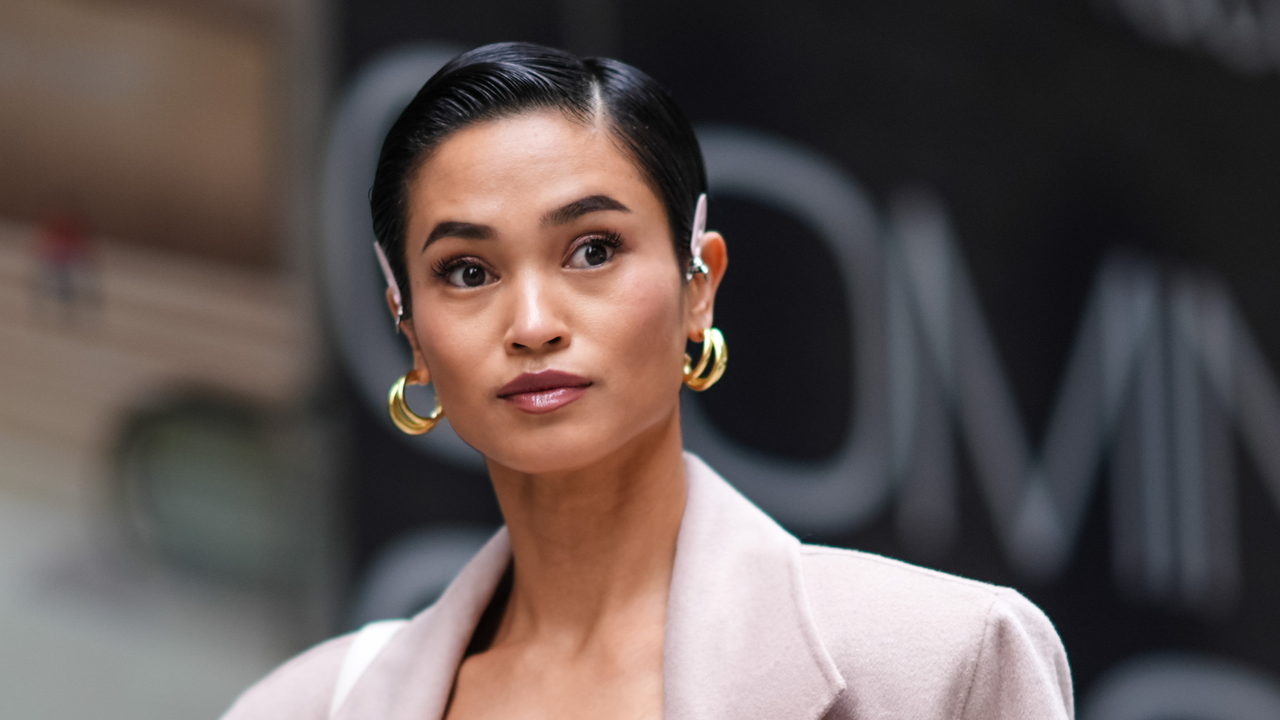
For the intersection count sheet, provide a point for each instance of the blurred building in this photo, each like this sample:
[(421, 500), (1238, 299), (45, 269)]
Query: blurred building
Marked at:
[(158, 350)]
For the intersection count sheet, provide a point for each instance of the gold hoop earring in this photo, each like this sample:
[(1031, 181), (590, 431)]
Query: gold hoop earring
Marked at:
[(712, 344), (407, 420)]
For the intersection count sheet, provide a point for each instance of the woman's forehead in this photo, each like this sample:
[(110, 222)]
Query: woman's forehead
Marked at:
[(524, 164)]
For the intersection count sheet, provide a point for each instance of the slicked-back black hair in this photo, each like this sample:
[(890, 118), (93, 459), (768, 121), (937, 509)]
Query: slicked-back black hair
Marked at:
[(506, 79)]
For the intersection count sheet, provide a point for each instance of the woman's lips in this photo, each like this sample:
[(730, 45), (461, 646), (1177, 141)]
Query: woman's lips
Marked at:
[(542, 392)]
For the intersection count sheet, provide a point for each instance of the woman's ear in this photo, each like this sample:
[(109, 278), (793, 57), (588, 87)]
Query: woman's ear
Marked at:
[(419, 375), (703, 286), (393, 305)]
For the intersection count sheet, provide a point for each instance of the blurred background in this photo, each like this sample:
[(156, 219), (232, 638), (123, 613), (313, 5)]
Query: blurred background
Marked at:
[(1004, 302)]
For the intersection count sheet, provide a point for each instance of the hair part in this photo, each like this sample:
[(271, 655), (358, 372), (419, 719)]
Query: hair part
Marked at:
[(507, 79)]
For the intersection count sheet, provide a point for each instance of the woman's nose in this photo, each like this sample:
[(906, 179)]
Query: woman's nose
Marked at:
[(536, 326)]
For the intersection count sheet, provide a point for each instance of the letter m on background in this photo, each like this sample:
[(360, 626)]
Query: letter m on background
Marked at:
[(1161, 369)]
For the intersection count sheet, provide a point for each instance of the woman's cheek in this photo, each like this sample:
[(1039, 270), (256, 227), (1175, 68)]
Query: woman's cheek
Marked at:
[(646, 320), (453, 361)]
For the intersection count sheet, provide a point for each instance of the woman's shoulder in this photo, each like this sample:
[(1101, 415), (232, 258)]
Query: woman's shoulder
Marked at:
[(904, 635), (300, 689)]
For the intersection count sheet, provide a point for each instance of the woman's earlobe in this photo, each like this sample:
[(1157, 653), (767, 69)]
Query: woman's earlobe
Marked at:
[(421, 375), (419, 360)]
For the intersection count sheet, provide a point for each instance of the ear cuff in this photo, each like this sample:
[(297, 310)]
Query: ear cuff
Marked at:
[(392, 285), (695, 240)]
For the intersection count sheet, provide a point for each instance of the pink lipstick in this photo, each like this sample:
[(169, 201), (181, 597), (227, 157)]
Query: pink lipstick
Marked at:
[(542, 392)]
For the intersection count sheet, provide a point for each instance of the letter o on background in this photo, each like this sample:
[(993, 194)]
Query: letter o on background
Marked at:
[(850, 488)]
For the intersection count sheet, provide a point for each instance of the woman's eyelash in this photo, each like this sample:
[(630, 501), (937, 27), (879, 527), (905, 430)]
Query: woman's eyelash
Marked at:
[(442, 267), (610, 238)]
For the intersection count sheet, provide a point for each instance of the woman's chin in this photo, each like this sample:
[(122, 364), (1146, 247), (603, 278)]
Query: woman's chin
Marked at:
[(547, 451), (547, 458), (576, 441)]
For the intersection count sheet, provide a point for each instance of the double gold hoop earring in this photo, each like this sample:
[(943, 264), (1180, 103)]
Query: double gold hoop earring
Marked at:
[(407, 420), (697, 376)]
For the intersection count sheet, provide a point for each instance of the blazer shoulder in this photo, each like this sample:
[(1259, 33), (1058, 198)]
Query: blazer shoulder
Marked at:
[(838, 574), (300, 689), (942, 645)]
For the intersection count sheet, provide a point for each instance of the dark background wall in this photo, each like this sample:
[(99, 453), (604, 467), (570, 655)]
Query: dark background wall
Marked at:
[(1053, 133)]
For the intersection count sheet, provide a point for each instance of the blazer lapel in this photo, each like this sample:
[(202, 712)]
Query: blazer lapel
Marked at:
[(740, 640), (413, 675)]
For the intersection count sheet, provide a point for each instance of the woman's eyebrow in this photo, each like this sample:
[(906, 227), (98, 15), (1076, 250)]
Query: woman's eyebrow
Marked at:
[(464, 230), (578, 208)]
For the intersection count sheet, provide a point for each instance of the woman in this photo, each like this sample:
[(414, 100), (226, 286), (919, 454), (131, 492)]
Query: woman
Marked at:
[(541, 221)]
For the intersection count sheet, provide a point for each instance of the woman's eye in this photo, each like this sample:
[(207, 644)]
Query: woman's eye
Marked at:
[(468, 276), (590, 255)]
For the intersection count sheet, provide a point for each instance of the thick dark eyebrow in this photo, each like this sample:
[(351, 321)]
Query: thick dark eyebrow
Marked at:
[(578, 208), (464, 230)]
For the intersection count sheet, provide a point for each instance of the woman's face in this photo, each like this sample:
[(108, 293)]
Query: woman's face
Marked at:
[(548, 307)]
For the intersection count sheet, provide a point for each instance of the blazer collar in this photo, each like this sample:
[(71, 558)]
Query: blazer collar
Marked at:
[(412, 677), (740, 641)]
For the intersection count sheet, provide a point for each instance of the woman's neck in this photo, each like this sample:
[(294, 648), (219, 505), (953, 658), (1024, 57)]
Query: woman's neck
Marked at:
[(593, 548)]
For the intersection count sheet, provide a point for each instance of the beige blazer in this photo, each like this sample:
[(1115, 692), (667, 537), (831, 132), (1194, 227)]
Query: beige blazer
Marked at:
[(759, 626)]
